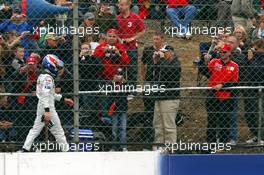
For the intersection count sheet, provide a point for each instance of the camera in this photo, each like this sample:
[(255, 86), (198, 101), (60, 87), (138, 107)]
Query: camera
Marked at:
[(110, 51)]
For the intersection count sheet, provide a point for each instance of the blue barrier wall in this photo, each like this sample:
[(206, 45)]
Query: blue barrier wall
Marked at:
[(211, 164)]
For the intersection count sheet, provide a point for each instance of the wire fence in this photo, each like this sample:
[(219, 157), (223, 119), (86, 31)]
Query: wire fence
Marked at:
[(168, 72)]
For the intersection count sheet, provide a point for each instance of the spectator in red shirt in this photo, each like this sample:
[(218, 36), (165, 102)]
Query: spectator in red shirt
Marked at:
[(112, 53), (219, 104), (113, 56), (178, 8), (131, 28)]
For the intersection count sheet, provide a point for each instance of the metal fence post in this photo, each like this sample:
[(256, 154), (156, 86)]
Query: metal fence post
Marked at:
[(76, 74), (260, 102)]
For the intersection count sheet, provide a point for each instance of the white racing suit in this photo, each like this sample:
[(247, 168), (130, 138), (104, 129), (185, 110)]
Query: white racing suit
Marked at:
[(46, 99)]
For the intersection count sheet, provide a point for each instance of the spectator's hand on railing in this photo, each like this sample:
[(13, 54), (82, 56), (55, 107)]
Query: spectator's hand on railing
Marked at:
[(217, 87)]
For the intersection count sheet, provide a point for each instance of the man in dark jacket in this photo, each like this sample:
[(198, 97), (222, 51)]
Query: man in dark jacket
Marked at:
[(254, 77), (167, 74), (149, 60), (89, 68)]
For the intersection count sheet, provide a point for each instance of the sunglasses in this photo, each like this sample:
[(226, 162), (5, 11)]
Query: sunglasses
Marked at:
[(223, 52)]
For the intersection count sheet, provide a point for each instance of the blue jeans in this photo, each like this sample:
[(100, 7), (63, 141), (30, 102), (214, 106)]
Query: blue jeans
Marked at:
[(8, 134), (233, 124), (119, 124), (132, 70), (188, 12)]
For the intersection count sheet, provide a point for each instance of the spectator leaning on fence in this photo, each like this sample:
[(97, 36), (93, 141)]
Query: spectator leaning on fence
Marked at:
[(131, 28), (175, 10), (168, 74), (219, 104), (254, 76)]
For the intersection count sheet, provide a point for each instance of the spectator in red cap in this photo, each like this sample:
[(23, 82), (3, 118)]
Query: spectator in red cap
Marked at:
[(223, 73), (112, 53), (113, 56)]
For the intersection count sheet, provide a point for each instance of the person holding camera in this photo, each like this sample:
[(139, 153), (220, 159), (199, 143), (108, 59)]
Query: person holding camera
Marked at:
[(167, 74), (89, 68), (113, 56), (254, 76), (149, 59)]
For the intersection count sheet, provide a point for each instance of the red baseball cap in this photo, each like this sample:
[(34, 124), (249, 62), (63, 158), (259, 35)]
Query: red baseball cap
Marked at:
[(32, 60), (226, 48), (112, 31)]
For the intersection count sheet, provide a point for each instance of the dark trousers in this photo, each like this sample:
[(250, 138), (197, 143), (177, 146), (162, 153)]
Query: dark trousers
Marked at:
[(251, 110), (219, 119), (132, 71), (147, 134)]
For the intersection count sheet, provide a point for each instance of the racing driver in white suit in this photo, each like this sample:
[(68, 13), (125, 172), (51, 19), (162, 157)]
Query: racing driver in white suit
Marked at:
[(46, 112)]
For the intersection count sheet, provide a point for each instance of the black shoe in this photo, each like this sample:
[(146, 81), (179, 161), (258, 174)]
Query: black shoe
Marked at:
[(24, 150)]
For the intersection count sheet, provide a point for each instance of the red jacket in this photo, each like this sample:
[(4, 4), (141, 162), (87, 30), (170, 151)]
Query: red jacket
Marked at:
[(111, 65), (222, 73), (262, 4), (176, 3)]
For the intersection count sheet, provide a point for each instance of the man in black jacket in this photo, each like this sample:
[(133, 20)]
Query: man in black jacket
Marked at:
[(254, 76), (149, 60), (89, 81), (167, 74)]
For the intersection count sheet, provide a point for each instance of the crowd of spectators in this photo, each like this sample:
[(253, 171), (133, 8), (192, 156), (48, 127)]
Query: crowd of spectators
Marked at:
[(109, 55)]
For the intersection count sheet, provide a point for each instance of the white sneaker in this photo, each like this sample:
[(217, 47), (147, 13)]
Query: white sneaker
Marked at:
[(188, 35), (232, 142), (180, 35), (124, 150), (261, 142), (130, 97), (252, 140)]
